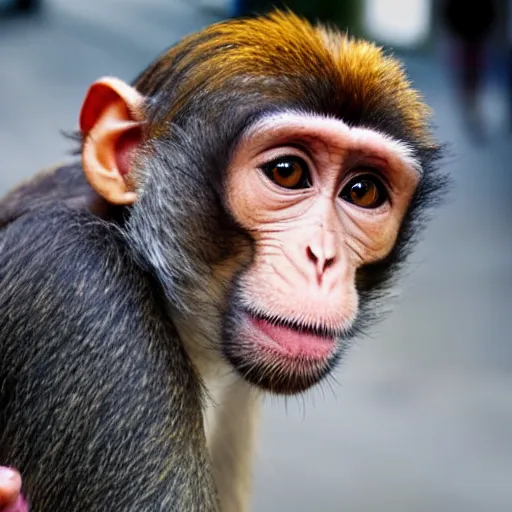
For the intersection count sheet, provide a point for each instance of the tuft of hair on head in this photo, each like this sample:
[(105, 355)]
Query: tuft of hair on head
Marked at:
[(285, 59)]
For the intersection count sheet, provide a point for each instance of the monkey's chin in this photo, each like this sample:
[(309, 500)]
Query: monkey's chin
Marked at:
[(280, 358)]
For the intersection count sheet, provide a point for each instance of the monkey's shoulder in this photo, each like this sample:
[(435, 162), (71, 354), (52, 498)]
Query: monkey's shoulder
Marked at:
[(72, 254), (68, 276)]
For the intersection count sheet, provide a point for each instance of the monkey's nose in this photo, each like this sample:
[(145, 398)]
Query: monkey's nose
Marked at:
[(321, 257)]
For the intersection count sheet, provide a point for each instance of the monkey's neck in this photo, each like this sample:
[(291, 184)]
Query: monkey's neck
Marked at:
[(231, 416)]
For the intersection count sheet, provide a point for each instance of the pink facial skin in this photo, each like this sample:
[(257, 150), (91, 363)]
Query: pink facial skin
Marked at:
[(300, 292), (309, 241), (10, 498)]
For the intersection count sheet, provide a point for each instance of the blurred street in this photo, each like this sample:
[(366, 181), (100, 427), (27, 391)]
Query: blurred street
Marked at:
[(420, 419)]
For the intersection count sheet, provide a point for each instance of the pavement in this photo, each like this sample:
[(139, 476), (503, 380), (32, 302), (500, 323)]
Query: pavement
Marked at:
[(420, 416)]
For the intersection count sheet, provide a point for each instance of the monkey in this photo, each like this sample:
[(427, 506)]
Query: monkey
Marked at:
[(235, 220)]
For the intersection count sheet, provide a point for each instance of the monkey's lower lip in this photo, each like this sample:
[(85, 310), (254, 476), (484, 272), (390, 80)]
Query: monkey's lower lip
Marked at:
[(292, 342)]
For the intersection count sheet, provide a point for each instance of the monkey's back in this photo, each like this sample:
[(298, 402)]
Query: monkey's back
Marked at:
[(87, 357), (62, 184)]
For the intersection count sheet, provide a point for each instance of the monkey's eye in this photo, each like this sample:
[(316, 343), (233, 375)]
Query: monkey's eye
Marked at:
[(365, 191), (288, 172)]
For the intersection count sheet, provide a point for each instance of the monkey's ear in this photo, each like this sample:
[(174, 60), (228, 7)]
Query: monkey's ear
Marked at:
[(110, 122)]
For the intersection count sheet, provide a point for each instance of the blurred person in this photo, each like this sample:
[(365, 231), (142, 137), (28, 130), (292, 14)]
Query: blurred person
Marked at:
[(470, 22), (249, 7), (509, 60), (19, 5)]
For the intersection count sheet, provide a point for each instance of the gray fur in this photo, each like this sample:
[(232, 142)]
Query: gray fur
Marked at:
[(100, 408)]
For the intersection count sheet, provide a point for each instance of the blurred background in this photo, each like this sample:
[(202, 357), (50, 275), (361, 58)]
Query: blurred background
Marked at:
[(420, 418)]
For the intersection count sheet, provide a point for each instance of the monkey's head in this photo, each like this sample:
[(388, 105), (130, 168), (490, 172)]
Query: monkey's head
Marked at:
[(273, 174)]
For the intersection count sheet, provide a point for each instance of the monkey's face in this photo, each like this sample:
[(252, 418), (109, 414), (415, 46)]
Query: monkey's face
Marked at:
[(269, 229), (319, 200)]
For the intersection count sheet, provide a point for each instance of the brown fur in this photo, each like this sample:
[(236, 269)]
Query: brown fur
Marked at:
[(280, 48)]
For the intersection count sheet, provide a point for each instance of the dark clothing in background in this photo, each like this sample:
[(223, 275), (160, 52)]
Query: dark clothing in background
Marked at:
[(470, 20), (470, 23)]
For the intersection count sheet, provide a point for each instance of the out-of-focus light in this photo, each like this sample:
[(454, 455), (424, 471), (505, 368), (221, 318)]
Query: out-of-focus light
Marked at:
[(398, 22)]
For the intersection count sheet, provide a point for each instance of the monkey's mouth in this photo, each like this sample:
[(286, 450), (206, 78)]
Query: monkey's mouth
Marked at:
[(291, 339), (279, 355)]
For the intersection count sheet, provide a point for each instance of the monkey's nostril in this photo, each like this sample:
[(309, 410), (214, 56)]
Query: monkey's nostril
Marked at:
[(329, 262), (321, 262), (311, 255)]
